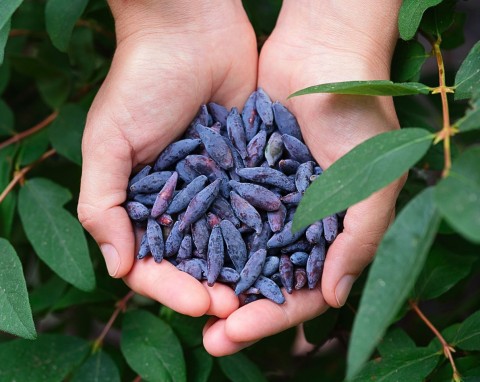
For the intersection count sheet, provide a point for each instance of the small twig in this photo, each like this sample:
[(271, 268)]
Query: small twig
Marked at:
[(18, 137), (120, 307), (137, 379), (447, 349), (19, 32), (19, 175)]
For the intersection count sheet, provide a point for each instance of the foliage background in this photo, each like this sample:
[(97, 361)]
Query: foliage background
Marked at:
[(53, 282)]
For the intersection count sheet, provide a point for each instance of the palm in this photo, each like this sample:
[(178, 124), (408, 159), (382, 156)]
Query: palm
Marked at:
[(331, 125), (155, 87)]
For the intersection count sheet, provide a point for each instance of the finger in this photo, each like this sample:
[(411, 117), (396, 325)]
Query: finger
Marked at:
[(106, 167), (217, 344), (169, 286), (223, 300), (353, 249), (264, 318)]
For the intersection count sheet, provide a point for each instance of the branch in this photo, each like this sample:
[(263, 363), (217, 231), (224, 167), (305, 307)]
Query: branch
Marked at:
[(19, 175), (447, 349), (120, 307), (33, 130)]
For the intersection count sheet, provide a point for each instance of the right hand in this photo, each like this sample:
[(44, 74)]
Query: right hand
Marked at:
[(171, 57)]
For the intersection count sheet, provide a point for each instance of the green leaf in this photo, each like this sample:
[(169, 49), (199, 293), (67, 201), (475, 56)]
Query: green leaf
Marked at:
[(77, 297), (199, 365), (7, 206), (32, 148), (319, 329), (442, 270), (53, 82), (15, 313), (412, 365), (471, 119), (7, 7), (7, 121), (4, 31), (367, 168), (458, 195), (82, 53), (438, 19), (99, 367), (467, 79), (47, 359), (410, 15), (151, 348), (398, 261), (60, 19), (4, 75), (466, 366), (238, 368), (46, 295), (67, 130), (408, 60), (467, 336), (368, 88), (188, 329), (455, 35), (56, 236), (396, 340)]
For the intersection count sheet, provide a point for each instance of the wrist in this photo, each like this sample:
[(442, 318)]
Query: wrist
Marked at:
[(363, 29), (170, 16)]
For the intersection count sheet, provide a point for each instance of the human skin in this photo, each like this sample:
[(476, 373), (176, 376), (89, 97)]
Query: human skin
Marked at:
[(317, 42), (171, 57)]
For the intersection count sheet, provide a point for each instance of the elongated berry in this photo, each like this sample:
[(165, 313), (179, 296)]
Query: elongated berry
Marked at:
[(271, 265), (200, 204), (288, 166), (200, 235), (269, 289), (264, 107), (276, 219), (302, 177), (181, 200), (218, 112), (185, 172), (165, 196), (236, 248), (228, 275), (314, 232), (214, 255), (174, 240), (296, 149), (222, 208), (274, 148), (258, 196), (299, 259), (245, 212), (236, 132), (285, 236), (175, 152), (155, 240), (267, 175), (286, 273), (250, 117), (330, 227), (300, 278), (315, 264), (185, 250), (144, 249), (251, 271), (137, 211), (140, 175), (256, 149), (286, 122), (259, 240), (216, 147), (151, 183)]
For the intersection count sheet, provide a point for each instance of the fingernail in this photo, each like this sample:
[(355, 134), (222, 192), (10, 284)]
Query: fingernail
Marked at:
[(343, 289), (111, 258)]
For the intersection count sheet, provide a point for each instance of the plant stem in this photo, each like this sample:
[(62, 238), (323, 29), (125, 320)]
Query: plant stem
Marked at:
[(447, 130), (20, 174), (18, 137), (120, 307), (447, 349), (137, 379)]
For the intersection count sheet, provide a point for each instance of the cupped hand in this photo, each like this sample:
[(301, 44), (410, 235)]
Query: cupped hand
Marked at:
[(171, 57), (306, 50)]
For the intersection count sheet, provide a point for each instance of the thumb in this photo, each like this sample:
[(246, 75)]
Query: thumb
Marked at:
[(107, 163), (353, 249)]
